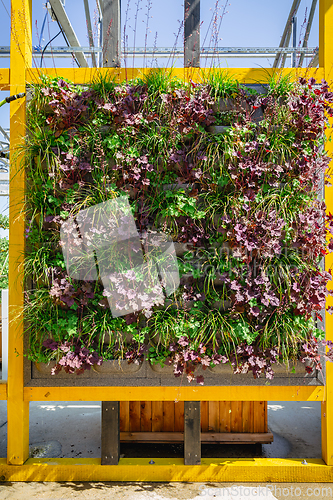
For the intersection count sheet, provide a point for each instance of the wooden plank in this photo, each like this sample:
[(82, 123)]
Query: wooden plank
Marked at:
[(213, 416), (248, 416), (192, 33), (192, 434), (3, 390), (134, 416), (184, 393), (237, 437), (244, 75), (124, 416), (152, 437), (216, 470), (17, 407), (236, 416), (259, 416), (110, 447), (322, 35), (206, 437), (179, 416), (326, 60), (225, 412), (111, 33), (157, 416), (4, 79), (168, 416), (145, 424), (265, 417), (204, 416)]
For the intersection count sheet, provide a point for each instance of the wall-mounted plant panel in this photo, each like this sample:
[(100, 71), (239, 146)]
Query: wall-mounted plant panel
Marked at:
[(212, 192)]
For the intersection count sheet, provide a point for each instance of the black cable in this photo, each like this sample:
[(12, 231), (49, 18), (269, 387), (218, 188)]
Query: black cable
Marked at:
[(14, 97), (65, 38), (48, 43), (11, 98)]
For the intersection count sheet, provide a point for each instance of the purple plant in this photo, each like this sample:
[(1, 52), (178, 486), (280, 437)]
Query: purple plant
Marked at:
[(75, 358), (65, 294), (67, 108), (263, 180)]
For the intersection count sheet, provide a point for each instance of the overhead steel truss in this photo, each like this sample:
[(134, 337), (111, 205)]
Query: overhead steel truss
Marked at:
[(167, 51), (110, 54)]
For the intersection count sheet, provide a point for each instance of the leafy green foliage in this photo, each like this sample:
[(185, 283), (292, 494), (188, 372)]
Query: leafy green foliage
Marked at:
[(241, 207)]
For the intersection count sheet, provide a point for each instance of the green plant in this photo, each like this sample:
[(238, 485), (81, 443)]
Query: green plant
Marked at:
[(280, 85), (243, 205), (221, 83)]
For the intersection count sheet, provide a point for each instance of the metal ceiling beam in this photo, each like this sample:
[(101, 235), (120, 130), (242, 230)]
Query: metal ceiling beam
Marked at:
[(67, 28), (192, 33), (294, 40), (307, 30), (177, 51), (99, 7), (286, 33), (111, 33), (314, 61), (89, 29)]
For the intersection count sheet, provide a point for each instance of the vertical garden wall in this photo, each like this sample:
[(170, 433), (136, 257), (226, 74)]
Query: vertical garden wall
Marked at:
[(229, 174)]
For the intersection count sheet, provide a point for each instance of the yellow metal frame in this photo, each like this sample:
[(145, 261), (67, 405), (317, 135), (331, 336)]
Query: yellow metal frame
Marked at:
[(18, 466)]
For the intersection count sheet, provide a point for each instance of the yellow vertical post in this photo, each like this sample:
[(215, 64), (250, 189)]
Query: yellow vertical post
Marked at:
[(326, 59), (326, 38), (321, 32), (17, 409)]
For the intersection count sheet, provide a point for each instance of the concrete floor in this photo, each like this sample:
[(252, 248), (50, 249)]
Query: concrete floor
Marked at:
[(72, 429), (163, 491)]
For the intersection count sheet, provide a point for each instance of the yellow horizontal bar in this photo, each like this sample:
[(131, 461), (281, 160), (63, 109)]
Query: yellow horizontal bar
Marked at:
[(166, 469), (4, 79), (178, 393), (3, 390), (244, 75)]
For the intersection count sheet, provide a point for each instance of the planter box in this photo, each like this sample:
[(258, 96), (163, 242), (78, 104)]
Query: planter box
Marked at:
[(230, 104), (218, 129), (222, 305), (43, 371), (163, 370), (177, 187), (118, 367), (113, 366), (176, 305), (294, 371), (146, 375), (181, 248), (127, 337)]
